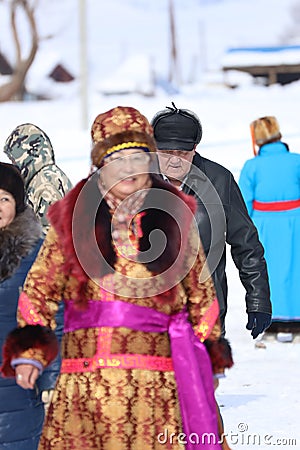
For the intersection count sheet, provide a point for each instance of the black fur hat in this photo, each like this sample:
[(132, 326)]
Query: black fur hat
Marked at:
[(176, 129), (12, 182)]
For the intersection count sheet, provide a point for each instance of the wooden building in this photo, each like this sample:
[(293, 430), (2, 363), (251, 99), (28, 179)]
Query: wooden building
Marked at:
[(268, 65)]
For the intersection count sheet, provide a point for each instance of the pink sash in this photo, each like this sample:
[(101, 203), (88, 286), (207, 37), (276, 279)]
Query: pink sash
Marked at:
[(191, 363)]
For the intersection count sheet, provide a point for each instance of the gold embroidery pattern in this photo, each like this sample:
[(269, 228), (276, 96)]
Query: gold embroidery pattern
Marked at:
[(45, 272), (112, 410), (28, 311), (207, 322), (200, 290), (122, 409)]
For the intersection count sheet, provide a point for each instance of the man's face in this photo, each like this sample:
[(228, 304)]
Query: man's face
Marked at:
[(175, 164)]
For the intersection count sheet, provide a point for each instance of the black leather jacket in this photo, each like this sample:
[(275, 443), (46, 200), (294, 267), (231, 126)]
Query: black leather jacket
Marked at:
[(222, 218)]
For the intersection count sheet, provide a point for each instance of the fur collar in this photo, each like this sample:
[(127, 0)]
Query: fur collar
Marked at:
[(17, 240), (84, 229)]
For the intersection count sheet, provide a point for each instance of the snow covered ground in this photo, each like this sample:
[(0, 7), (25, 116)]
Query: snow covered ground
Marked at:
[(260, 397)]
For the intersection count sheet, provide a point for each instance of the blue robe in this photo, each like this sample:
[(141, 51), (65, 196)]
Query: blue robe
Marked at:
[(273, 176), (21, 410)]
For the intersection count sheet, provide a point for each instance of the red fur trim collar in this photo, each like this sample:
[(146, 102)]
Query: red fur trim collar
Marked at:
[(82, 214)]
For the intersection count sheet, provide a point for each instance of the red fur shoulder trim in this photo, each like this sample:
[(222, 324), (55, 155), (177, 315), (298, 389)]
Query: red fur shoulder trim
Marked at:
[(83, 224)]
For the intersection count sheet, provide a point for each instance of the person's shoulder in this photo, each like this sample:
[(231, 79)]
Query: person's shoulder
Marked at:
[(57, 171), (211, 167), (216, 166), (294, 155), (252, 162), (51, 174), (53, 168), (294, 161)]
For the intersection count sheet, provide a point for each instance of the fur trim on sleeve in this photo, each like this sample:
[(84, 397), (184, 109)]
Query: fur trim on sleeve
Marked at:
[(220, 354), (30, 337)]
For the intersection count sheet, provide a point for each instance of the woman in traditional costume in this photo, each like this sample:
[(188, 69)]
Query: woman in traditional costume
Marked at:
[(141, 337)]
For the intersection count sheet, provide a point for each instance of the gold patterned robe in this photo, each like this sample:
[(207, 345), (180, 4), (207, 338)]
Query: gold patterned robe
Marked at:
[(111, 408)]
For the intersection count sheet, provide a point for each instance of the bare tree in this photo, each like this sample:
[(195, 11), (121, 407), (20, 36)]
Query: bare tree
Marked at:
[(15, 88)]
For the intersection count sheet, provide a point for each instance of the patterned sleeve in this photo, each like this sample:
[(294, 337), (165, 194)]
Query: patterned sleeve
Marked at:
[(44, 286), (202, 301), (203, 305)]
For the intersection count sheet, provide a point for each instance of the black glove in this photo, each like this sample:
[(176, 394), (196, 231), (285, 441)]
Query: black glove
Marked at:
[(258, 322)]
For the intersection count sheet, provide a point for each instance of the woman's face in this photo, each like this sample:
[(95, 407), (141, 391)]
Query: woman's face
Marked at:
[(125, 172), (7, 208)]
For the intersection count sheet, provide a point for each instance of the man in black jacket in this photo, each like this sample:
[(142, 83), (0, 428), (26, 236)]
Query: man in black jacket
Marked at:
[(222, 215)]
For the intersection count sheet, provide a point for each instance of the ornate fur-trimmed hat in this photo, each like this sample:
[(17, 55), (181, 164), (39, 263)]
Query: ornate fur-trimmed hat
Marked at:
[(264, 130), (12, 182), (118, 129), (176, 129)]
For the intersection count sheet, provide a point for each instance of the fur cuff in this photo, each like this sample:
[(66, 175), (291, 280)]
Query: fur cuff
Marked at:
[(30, 337), (220, 354)]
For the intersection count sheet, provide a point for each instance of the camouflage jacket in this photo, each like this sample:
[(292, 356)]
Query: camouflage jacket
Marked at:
[(30, 149)]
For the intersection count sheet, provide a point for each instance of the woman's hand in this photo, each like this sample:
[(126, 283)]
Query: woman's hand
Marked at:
[(26, 375)]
